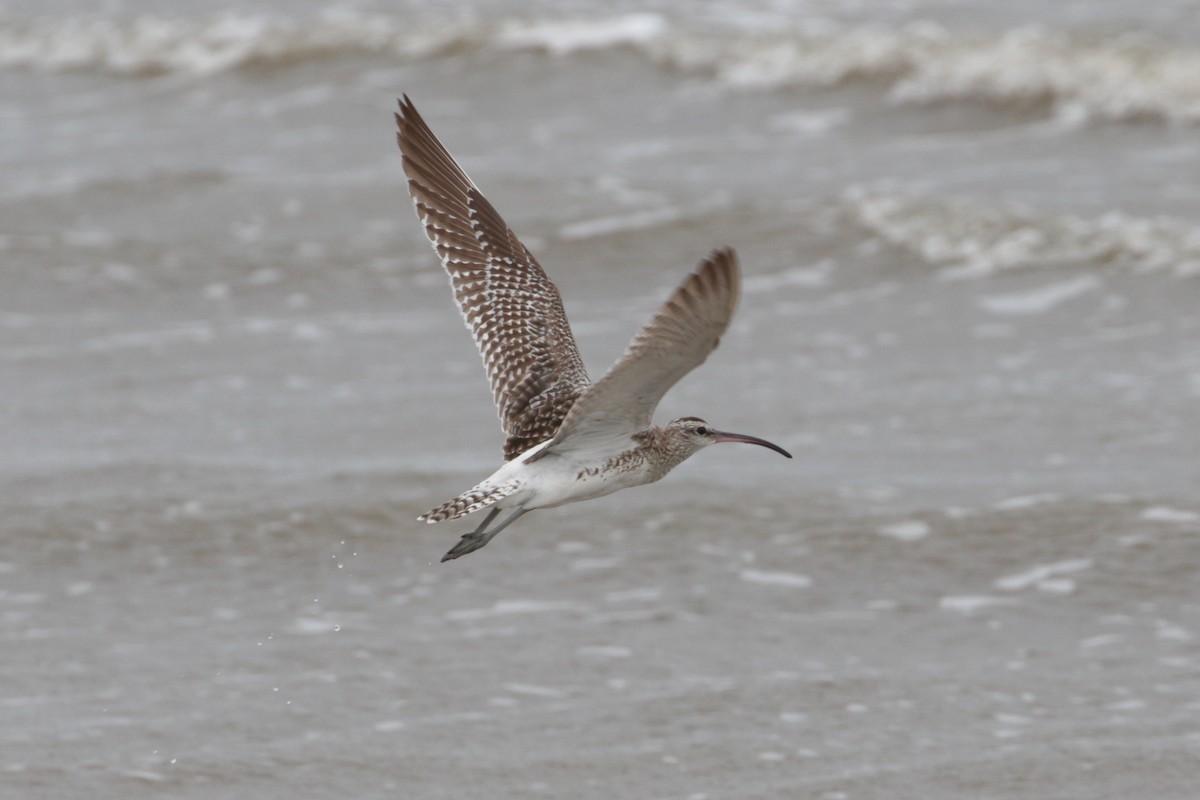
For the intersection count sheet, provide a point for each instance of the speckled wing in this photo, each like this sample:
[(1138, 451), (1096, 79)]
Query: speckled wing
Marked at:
[(679, 337), (513, 310)]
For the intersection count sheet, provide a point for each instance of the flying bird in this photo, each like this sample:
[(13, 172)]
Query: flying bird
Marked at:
[(567, 438)]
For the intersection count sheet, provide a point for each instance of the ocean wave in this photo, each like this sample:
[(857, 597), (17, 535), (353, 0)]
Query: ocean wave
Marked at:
[(1127, 77), (151, 45), (1117, 77), (975, 239)]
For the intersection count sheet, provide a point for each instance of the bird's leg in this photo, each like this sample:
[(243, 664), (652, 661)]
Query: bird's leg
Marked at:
[(470, 542)]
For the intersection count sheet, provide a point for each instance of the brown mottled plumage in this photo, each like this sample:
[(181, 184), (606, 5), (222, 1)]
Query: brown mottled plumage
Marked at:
[(567, 438), (511, 307)]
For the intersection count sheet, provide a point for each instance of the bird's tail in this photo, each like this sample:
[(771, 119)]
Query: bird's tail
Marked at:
[(471, 500)]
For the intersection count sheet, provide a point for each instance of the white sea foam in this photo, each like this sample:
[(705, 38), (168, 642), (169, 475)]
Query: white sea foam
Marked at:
[(634, 595), (1165, 514), (620, 223), (389, 725), (530, 690), (148, 45), (909, 530), (975, 239), (311, 626), (970, 603), (813, 276), (1036, 576), (1115, 77), (811, 123), (189, 332), (604, 651), (504, 607), (1025, 501), (788, 579), (565, 36), (1041, 299), (1170, 632), (1101, 640)]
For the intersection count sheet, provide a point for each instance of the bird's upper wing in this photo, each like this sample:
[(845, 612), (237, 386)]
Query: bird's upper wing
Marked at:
[(677, 339), (513, 310)]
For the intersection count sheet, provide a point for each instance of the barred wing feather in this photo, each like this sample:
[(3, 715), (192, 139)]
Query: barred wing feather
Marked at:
[(512, 309)]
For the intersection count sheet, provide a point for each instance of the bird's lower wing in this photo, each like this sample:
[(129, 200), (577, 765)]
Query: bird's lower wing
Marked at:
[(676, 340)]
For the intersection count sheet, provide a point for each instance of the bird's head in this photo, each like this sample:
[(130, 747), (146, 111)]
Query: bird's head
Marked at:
[(690, 434)]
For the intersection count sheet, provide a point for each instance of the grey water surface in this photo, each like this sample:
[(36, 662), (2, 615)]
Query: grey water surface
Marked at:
[(233, 375)]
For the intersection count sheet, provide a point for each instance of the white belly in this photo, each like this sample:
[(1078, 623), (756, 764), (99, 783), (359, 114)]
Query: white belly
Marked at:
[(555, 481)]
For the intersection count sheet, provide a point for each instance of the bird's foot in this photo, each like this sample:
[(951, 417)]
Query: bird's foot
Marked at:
[(469, 543)]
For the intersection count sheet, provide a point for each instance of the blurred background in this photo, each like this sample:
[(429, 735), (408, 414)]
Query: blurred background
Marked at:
[(233, 375)]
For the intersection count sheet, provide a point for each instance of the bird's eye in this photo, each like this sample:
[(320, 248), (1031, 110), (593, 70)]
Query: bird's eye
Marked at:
[(703, 431)]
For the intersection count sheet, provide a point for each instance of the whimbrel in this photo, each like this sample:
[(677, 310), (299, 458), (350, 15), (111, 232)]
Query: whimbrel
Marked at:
[(567, 439)]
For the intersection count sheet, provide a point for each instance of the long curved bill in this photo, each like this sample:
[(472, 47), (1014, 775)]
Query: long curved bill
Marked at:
[(741, 437)]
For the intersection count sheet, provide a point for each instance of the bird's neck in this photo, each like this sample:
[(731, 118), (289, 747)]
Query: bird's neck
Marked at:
[(660, 451)]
